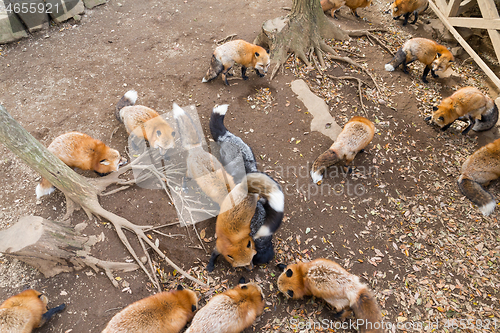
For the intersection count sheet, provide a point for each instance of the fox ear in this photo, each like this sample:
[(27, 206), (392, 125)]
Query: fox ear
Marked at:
[(104, 162), (257, 54), (438, 54), (434, 108), (180, 287), (289, 273), (281, 267), (441, 118)]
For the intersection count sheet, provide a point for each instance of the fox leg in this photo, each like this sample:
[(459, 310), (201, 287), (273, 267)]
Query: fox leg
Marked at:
[(426, 72), (243, 73), (406, 16), (434, 75), (225, 74), (258, 73), (213, 257), (415, 13), (471, 122), (47, 315)]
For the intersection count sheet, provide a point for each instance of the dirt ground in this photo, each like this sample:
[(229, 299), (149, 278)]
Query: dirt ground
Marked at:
[(399, 220)]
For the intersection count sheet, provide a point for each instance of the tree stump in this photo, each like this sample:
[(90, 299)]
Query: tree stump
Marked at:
[(54, 247)]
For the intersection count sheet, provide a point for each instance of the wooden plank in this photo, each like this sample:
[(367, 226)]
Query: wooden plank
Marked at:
[(452, 8), (495, 40), (442, 4), (488, 9), (465, 45), (479, 23)]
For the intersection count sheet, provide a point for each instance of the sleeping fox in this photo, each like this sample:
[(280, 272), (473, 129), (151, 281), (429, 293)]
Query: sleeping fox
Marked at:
[(466, 104), (165, 312), (434, 56), (230, 312), (144, 123), (237, 51), (342, 290), (25, 311), (81, 151)]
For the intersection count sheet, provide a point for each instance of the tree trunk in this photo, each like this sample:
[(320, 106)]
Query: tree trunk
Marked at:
[(79, 191), (34, 154), (53, 247), (301, 31)]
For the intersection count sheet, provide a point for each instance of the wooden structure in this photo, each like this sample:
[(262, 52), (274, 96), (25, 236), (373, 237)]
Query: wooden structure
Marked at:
[(448, 14)]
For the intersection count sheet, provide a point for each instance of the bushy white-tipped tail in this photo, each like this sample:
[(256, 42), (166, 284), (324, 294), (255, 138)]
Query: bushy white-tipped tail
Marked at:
[(221, 109), (276, 200), (389, 68), (204, 80), (316, 176), (131, 96), (488, 208), (178, 111), (40, 191)]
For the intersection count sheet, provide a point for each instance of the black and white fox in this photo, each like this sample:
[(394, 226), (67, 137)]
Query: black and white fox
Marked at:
[(235, 155)]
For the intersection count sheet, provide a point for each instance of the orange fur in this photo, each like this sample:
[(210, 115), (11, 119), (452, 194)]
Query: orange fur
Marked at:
[(436, 57), (233, 227), (355, 136), (467, 101), (237, 51), (24, 312), (406, 7), (336, 4), (229, 312), (146, 123), (328, 280), (78, 150), (479, 170), (202, 166), (166, 312)]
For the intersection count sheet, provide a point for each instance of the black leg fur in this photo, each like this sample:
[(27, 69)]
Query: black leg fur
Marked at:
[(211, 263), (243, 73), (47, 315), (406, 16), (424, 75)]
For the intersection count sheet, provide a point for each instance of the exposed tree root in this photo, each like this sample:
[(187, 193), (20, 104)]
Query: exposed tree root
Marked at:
[(79, 191), (359, 87)]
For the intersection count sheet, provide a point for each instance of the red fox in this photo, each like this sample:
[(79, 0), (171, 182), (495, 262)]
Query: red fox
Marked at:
[(165, 312), (229, 312), (468, 104), (479, 169), (233, 225), (81, 151), (237, 51), (434, 56), (342, 290), (144, 123), (202, 166), (407, 7), (355, 136), (26, 311), (236, 156), (336, 4)]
